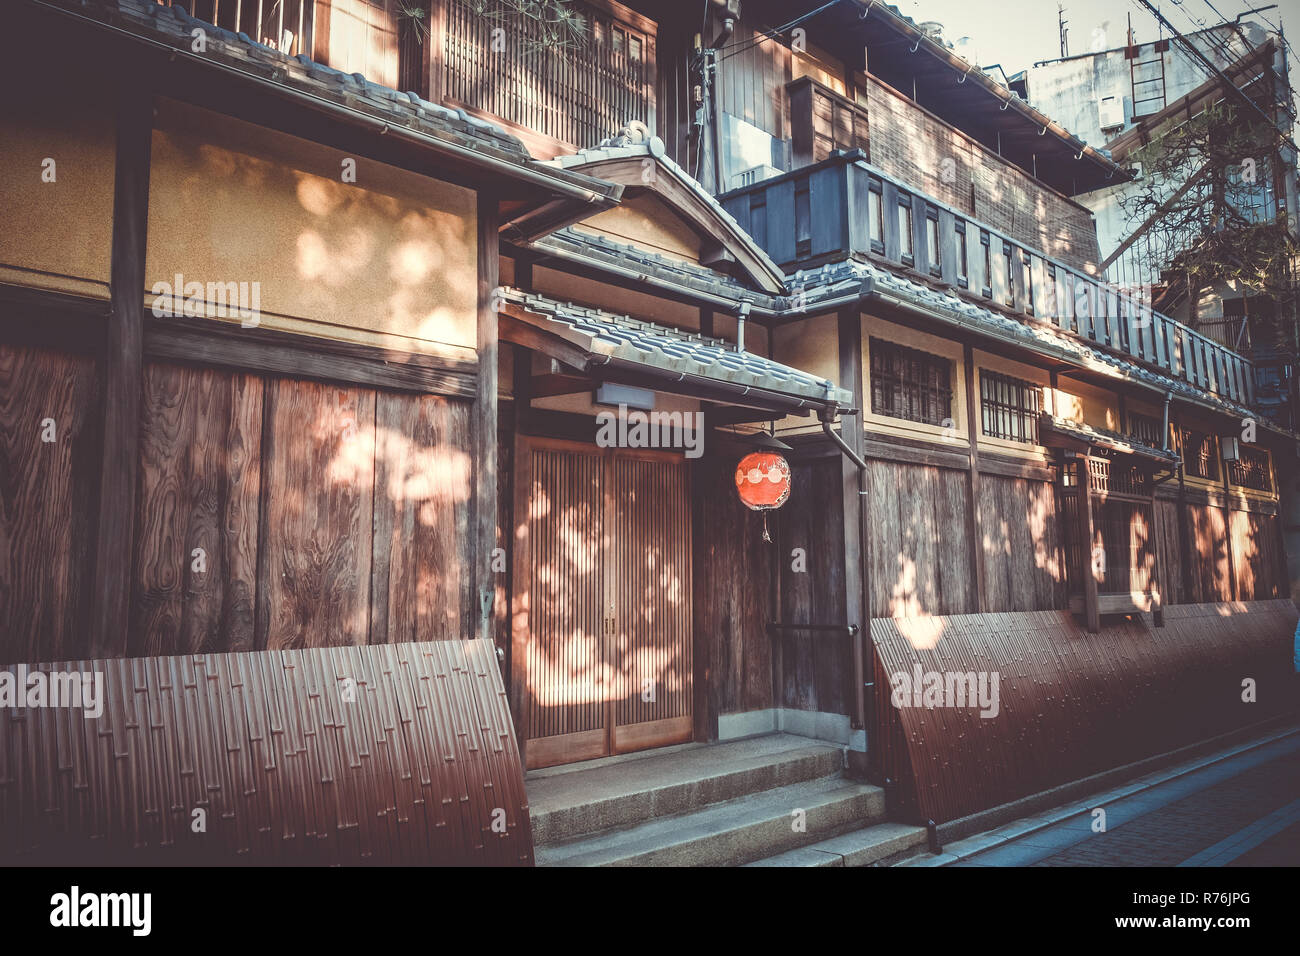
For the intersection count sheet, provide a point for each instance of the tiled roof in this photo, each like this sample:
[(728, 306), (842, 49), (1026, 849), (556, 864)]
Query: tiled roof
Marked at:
[(655, 150), (172, 26), (601, 250), (610, 336), (1108, 439), (833, 281)]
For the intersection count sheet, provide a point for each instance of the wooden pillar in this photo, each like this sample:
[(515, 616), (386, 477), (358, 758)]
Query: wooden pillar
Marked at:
[(520, 555), (974, 527), (1234, 579), (1157, 599), (437, 47), (485, 423), (123, 373), (1087, 530), (857, 594)]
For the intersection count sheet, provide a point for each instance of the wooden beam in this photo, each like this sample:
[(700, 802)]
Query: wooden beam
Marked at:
[(1087, 530), (437, 44), (123, 376), (213, 343), (974, 526), (1157, 600), (544, 386), (485, 422)]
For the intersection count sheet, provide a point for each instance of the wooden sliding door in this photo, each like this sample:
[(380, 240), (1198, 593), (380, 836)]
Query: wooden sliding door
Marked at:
[(606, 594)]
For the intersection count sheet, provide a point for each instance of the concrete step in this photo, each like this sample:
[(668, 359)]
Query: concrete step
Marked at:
[(878, 845), (565, 803), (731, 833)]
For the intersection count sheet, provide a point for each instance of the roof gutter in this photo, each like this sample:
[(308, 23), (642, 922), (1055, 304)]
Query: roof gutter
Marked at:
[(527, 173)]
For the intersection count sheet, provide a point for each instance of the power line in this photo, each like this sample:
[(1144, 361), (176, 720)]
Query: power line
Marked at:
[(770, 34), (1232, 87)]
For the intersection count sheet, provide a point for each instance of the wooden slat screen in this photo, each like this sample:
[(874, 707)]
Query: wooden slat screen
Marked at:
[(499, 63), (651, 551), (566, 663), (282, 24)]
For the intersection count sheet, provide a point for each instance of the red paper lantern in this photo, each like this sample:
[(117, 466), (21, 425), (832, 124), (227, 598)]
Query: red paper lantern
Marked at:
[(763, 480)]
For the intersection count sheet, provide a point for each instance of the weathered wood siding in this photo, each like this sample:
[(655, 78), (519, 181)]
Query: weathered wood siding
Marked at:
[(48, 492), (731, 566), (816, 667), (919, 547), (1021, 544), (271, 512)]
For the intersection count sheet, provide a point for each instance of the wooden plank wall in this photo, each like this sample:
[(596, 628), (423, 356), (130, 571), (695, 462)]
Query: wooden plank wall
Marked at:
[(920, 545), (1022, 562), (816, 668), (731, 567), (271, 512), (48, 496)]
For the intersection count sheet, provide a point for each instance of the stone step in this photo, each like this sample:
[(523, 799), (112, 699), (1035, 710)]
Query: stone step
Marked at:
[(565, 803), (878, 845), (730, 833)]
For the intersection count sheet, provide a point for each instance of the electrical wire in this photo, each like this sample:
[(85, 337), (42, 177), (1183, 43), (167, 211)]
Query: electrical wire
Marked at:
[(770, 34)]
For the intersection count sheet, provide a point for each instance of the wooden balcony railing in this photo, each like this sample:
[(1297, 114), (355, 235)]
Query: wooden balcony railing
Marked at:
[(822, 121), (844, 207), (574, 96)]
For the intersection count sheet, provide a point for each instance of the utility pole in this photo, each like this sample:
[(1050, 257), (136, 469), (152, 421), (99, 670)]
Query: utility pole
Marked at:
[(1063, 26)]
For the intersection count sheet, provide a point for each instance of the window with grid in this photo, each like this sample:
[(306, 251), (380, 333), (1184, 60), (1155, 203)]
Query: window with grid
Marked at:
[(1200, 455), (876, 214), (1146, 429), (963, 276), (910, 384), (905, 247), (1009, 407), (1251, 471), (932, 243)]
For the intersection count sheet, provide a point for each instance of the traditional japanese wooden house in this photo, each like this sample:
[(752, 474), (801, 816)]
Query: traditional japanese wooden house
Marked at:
[(328, 364)]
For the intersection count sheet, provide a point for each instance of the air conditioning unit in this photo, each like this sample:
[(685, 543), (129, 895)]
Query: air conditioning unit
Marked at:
[(755, 174), (1110, 112)]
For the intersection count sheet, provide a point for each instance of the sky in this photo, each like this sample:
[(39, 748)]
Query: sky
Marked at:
[(1017, 33)]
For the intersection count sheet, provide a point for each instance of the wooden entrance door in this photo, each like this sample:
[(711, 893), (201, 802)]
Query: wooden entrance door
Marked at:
[(605, 592)]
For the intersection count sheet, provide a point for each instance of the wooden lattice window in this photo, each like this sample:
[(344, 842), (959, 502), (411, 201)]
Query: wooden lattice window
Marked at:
[(1009, 407), (1146, 429), (578, 94), (1200, 455), (910, 384), (1251, 470)]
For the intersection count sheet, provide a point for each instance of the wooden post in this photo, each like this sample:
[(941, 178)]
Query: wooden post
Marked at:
[(485, 421), (857, 595), (1234, 579), (123, 374), (1091, 615), (437, 40), (1157, 600), (521, 476), (974, 527)]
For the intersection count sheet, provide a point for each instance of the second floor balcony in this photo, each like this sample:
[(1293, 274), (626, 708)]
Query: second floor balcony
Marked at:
[(844, 207)]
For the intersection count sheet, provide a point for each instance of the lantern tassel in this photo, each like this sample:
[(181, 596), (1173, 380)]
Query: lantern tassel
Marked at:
[(766, 537)]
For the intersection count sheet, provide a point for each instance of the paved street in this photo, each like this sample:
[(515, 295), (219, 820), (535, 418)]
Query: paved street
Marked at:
[(1240, 811)]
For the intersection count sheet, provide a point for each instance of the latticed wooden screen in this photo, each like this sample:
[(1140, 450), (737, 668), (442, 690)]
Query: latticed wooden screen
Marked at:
[(578, 92), (910, 384)]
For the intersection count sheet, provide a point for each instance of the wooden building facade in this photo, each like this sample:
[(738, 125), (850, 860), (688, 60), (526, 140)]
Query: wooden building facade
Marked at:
[(290, 359)]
